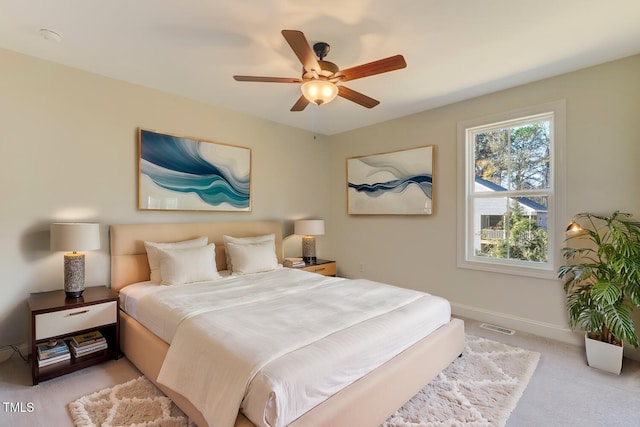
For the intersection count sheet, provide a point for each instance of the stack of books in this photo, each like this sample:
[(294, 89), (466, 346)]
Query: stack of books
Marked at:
[(85, 344), (293, 262), (52, 352)]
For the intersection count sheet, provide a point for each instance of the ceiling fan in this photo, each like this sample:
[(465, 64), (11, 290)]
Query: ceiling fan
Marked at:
[(320, 79)]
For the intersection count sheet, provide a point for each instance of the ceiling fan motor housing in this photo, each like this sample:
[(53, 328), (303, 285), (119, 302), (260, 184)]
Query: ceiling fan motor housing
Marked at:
[(327, 70), (328, 66)]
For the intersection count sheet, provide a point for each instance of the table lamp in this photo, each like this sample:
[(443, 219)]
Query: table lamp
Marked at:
[(73, 237), (309, 228)]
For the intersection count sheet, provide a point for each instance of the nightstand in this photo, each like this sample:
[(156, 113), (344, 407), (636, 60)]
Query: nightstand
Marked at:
[(55, 317), (321, 266)]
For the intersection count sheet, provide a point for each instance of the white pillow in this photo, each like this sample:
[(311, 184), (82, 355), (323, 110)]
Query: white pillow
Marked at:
[(152, 253), (252, 258), (246, 241), (188, 265)]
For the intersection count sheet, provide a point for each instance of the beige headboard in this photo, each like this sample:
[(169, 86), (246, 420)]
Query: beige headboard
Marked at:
[(129, 258)]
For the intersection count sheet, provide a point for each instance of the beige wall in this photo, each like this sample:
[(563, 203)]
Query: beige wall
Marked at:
[(68, 147), (68, 150), (603, 140)]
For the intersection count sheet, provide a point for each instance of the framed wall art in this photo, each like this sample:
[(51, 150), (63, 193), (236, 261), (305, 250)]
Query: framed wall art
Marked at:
[(394, 183), (184, 173)]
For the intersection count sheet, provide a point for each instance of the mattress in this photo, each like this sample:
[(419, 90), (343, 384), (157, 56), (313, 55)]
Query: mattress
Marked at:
[(303, 375)]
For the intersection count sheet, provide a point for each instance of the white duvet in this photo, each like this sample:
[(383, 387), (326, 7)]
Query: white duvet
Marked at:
[(277, 344)]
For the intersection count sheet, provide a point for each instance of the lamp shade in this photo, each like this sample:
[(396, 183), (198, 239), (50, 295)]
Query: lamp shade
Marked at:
[(75, 236), (309, 227), (319, 91), (573, 227)]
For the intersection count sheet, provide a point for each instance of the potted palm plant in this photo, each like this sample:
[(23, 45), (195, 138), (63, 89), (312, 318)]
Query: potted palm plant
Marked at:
[(602, 283)]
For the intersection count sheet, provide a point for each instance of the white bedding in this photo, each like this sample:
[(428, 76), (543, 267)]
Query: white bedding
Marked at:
[(276, 344)]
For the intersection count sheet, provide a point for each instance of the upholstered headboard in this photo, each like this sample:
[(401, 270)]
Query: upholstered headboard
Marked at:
[(129, 258)]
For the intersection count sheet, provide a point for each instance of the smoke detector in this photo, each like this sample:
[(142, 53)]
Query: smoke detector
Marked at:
[(50, 35)]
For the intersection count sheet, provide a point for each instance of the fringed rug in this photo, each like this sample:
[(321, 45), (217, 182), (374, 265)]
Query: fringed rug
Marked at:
[(481, 388)]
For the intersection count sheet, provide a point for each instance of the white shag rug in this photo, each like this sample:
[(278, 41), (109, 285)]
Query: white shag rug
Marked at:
[(479, 389), (135, 403)]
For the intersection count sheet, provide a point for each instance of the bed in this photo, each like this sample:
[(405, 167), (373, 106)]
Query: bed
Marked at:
[(366, 401)]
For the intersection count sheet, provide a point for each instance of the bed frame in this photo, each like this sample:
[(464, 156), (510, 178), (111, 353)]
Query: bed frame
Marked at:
[(367, 402)]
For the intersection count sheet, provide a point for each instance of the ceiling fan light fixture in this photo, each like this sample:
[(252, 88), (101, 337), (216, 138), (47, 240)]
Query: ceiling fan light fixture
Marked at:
[(319, 91)]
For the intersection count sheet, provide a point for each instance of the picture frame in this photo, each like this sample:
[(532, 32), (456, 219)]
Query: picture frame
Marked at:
[(391, 183), (179, 173)]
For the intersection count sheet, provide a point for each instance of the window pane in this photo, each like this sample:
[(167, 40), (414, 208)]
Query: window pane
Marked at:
[(511, 177), (511, 228), (513, 158)]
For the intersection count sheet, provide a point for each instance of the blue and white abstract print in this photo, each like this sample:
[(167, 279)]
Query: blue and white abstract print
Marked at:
[(391, 183), (186, 174)]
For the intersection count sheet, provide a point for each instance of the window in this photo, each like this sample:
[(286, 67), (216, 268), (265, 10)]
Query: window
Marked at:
[(510, 192)]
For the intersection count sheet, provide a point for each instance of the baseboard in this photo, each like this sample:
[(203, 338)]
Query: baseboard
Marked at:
[(632, 353), (530, 326)]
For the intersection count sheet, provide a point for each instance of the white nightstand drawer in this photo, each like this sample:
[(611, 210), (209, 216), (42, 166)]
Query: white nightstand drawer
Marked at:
[(68, 321)]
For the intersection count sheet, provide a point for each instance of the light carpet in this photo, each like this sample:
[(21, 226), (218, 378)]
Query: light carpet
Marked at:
[(481, 388)]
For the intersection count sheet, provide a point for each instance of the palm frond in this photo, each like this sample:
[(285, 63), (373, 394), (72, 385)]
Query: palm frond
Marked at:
[(606, 293), (619, 321)]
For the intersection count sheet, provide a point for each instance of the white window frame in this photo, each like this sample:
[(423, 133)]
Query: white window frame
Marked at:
[(556, 195)]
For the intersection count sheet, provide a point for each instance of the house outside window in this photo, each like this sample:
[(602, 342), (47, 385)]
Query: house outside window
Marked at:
[(511, 183)]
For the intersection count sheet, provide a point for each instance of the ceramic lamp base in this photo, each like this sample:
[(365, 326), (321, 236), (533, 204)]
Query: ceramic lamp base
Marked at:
[(74, 274), (309, 249)]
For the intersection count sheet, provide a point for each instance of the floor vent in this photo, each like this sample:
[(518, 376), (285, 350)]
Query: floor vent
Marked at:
[(496, 328)]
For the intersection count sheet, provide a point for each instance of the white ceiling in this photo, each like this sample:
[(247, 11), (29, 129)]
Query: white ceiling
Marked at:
[(455, 49)]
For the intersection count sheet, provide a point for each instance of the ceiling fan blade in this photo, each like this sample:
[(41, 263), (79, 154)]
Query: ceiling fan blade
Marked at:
[(301, 48), (372, 68), (267, 79), (300, 104), (357, 97)]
